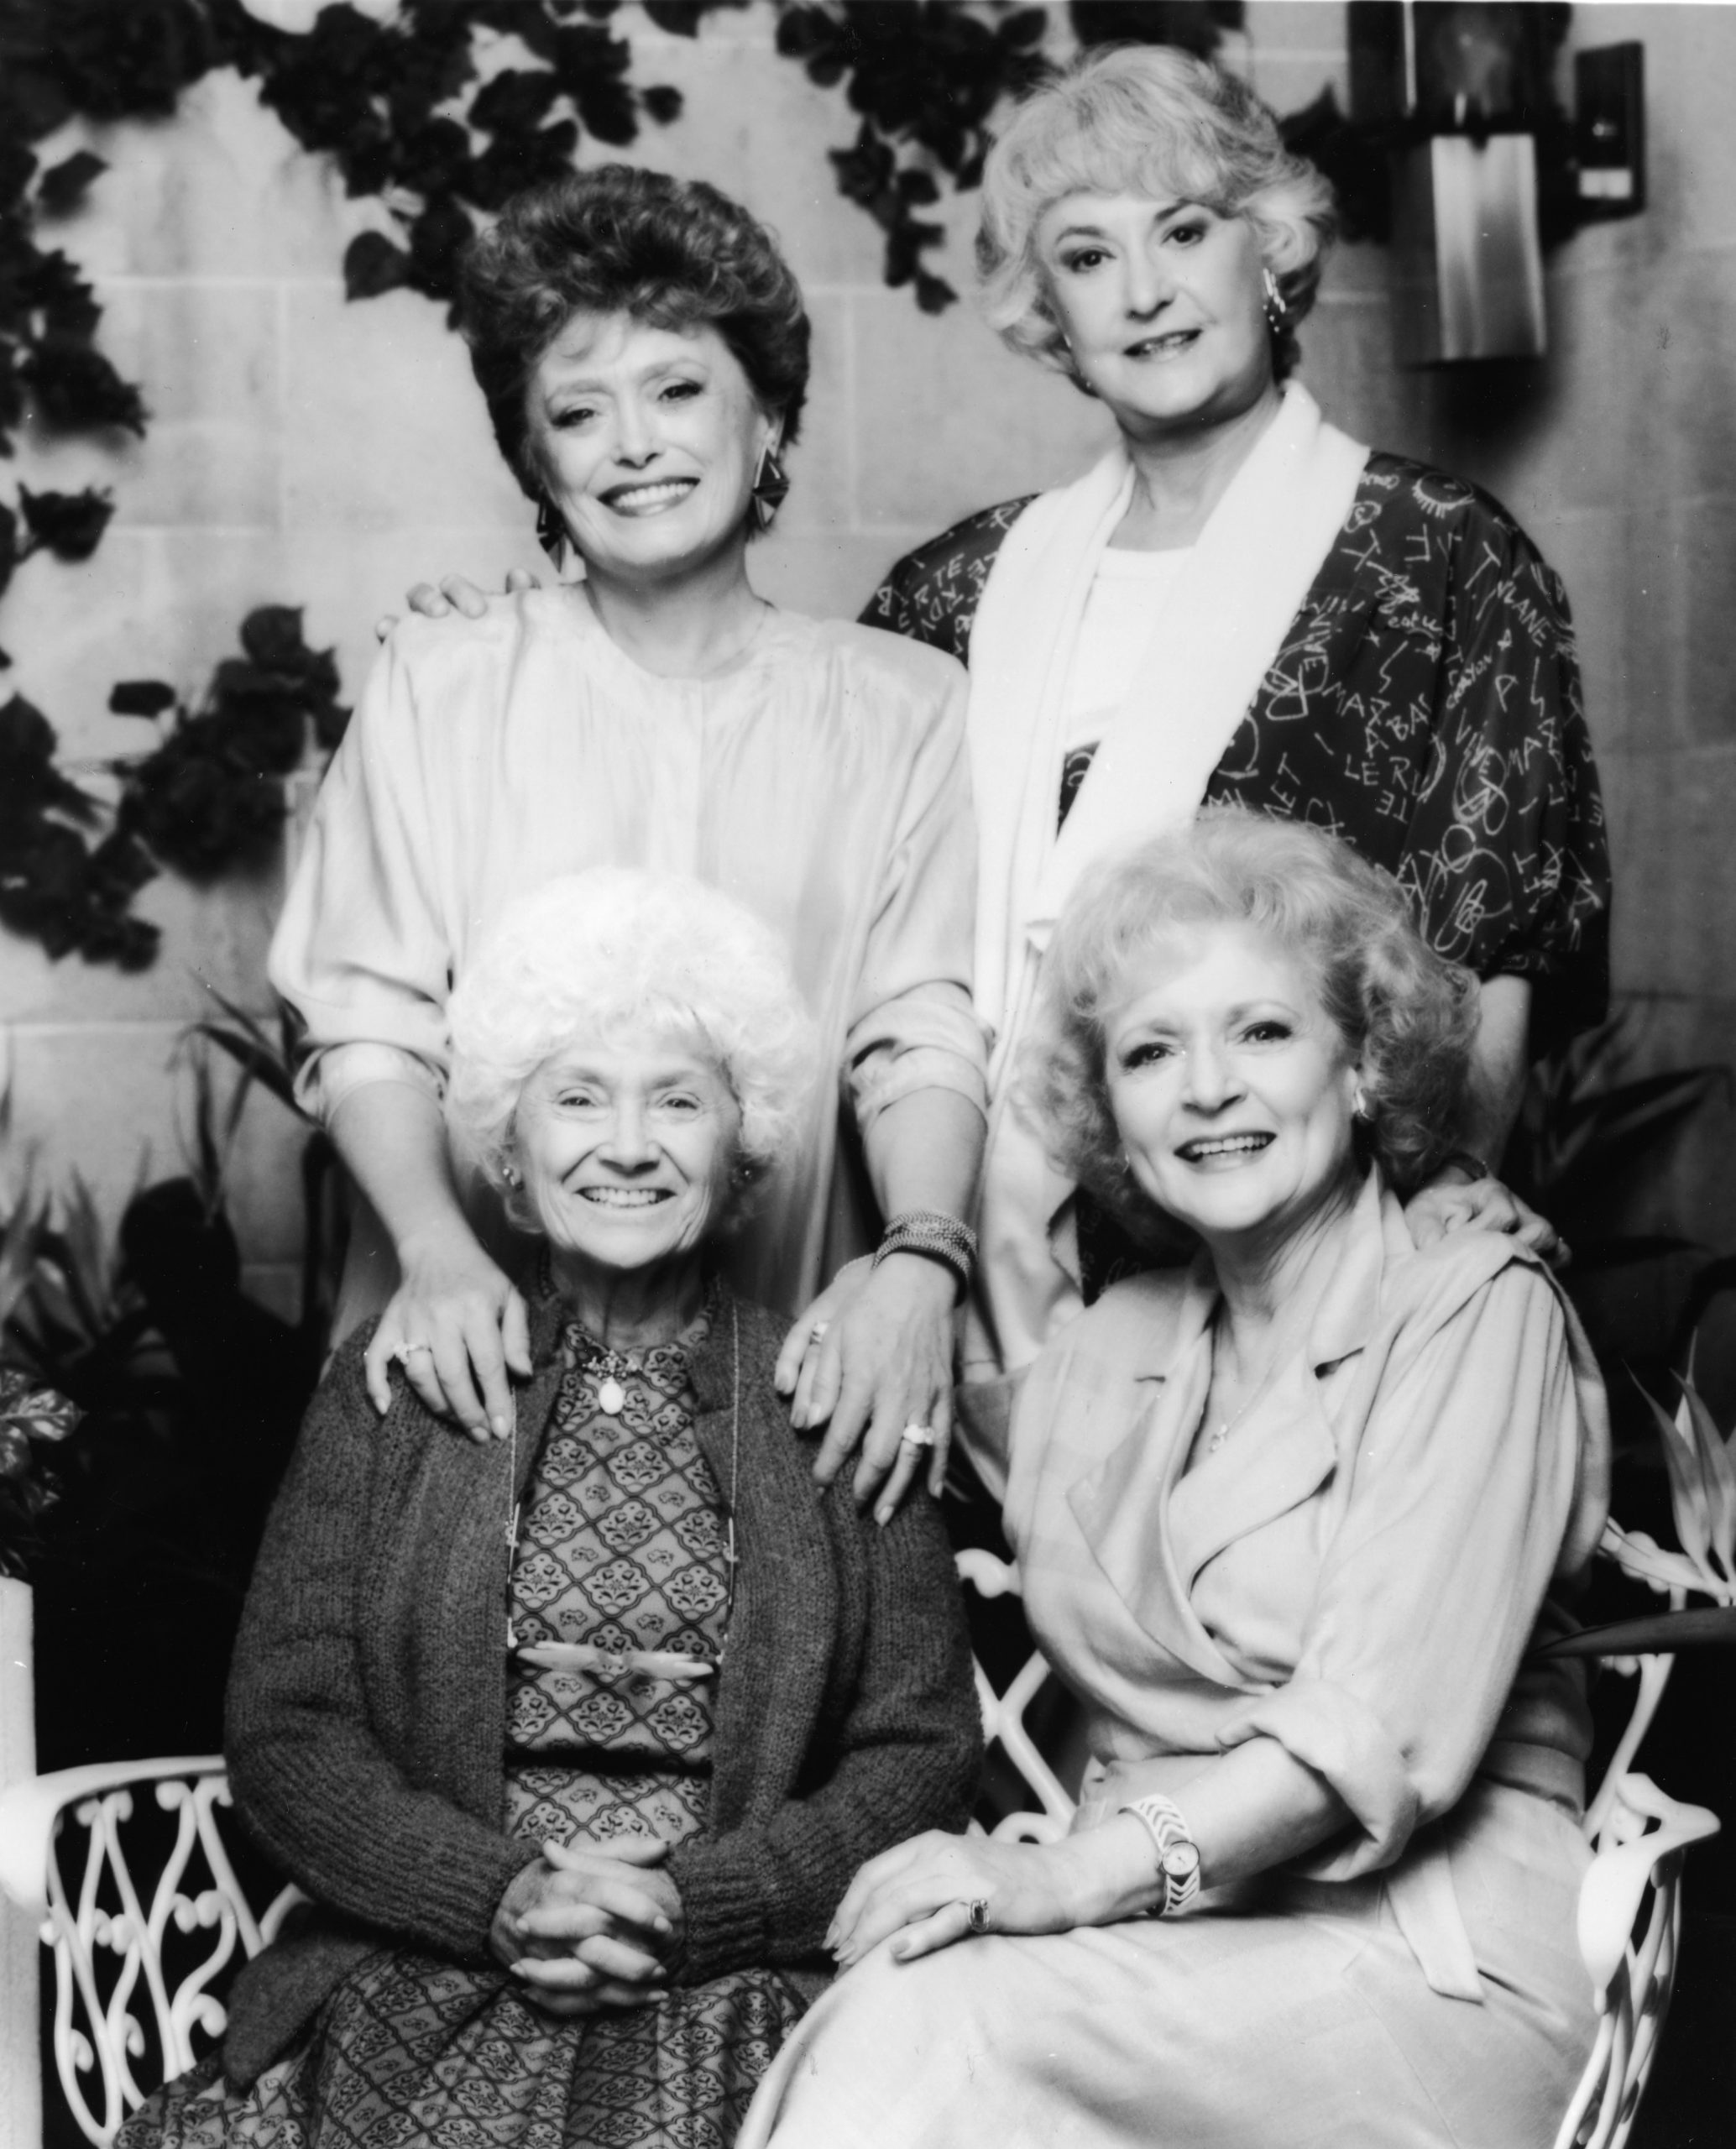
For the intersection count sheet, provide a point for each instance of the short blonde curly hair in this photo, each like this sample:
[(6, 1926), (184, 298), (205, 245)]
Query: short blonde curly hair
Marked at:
[(1407, 1015), (617, 948), (1146, 120)]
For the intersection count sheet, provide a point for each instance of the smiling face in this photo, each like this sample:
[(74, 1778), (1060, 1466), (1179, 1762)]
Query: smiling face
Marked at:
[(646, 440), (1232, 1090), (1163, 304), (624, 1142)]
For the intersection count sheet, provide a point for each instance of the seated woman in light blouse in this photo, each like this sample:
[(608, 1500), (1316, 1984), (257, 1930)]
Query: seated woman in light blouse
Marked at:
[(1287, 1525)]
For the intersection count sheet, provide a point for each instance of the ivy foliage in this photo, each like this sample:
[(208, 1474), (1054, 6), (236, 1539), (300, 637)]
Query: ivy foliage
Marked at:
[(108, 59), (206, 800), (408, 113), (926, 76)]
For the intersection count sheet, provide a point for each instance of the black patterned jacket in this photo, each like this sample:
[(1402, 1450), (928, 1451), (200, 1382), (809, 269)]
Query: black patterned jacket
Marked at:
[(1425, 705)]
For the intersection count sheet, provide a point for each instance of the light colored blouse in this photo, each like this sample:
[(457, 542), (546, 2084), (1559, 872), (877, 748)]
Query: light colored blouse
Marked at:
[(1128, 594), (1359, 1570), (820, 780)]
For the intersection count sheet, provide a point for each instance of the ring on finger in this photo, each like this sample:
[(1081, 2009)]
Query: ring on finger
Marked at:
[(817, 1334), (916, 1434), (404, 1353), (977, 1915)]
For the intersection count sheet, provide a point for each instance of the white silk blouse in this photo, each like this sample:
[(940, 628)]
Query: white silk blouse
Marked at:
[(820, 779)]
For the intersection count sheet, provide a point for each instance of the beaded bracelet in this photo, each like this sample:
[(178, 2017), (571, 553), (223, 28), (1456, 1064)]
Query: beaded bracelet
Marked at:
[(941, 1237)]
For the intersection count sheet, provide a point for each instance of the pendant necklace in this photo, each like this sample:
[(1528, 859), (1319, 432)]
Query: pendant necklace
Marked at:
[(592, 1358)]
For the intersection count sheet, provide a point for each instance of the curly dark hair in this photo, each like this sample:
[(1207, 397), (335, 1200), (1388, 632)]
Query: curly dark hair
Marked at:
[(672, 253), (1406, 1015)]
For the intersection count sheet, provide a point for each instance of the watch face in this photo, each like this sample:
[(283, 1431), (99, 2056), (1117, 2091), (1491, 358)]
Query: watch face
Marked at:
[(1180, 1860)]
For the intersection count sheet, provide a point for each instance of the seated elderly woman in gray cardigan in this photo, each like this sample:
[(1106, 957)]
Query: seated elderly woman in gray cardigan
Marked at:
[(575, 1739)]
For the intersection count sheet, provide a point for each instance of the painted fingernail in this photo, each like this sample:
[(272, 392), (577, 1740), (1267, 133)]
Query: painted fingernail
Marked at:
[(883, 1513)]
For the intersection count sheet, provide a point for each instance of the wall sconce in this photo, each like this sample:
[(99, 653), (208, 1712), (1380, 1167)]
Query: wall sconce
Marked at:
[(1483, 169)]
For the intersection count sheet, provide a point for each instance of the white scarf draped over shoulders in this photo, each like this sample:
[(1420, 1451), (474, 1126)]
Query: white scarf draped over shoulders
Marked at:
[(1243, 584)]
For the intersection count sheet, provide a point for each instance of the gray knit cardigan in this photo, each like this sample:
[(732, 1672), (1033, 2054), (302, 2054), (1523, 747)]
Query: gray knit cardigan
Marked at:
[(367, 1703)]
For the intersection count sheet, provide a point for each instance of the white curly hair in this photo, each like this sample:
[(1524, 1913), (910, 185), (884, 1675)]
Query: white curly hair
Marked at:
[(616, 949)]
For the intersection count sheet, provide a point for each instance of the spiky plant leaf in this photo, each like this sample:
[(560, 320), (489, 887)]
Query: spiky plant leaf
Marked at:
[(1688, 1497), (1694, 1421)]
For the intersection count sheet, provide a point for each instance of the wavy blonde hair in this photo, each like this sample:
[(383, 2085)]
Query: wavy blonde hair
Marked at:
[(1407, 1015), (618, 950), (1145, 120)]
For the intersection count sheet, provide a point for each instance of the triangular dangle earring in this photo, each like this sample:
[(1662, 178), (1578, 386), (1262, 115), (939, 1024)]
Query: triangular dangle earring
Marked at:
[(771, 487), (550, 530)]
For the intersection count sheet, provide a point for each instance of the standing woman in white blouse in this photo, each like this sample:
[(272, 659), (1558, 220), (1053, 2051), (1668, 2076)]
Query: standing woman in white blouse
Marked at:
[(643, 350)]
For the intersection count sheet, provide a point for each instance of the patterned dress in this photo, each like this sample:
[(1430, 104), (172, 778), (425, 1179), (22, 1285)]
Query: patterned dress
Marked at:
[(621, 1581)]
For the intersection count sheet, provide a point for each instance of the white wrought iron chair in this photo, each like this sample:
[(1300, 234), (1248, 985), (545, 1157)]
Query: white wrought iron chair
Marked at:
[(1629, 1903), (129, 1994), (126, 2016)]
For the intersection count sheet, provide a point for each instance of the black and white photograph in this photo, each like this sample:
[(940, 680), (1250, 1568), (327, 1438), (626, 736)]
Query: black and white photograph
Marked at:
[(867, 1075)]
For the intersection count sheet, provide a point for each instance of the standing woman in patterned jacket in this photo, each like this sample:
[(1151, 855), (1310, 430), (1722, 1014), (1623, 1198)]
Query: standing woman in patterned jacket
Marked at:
[(1238, 604)]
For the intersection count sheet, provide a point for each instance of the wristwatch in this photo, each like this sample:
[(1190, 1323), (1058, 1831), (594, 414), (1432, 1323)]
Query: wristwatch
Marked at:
[(1177, 1854)]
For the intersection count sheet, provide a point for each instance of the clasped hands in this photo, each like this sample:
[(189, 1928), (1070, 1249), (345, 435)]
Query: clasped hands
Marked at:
[(585, 1929)]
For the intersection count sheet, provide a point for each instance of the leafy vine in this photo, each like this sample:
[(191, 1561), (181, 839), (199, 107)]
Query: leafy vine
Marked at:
[(926, 76), (206, 800)]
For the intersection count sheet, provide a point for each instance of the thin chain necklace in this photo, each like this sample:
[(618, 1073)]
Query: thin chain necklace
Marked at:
[(1227, 1425), (514, 1505)]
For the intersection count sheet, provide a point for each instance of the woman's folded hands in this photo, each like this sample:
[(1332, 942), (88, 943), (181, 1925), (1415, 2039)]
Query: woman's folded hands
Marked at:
[(584, 1929)]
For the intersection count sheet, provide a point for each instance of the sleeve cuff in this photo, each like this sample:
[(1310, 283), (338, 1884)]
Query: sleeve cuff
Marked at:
[(1329, 1730), (723, 1911), (885, 1079), (326, 1077)]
